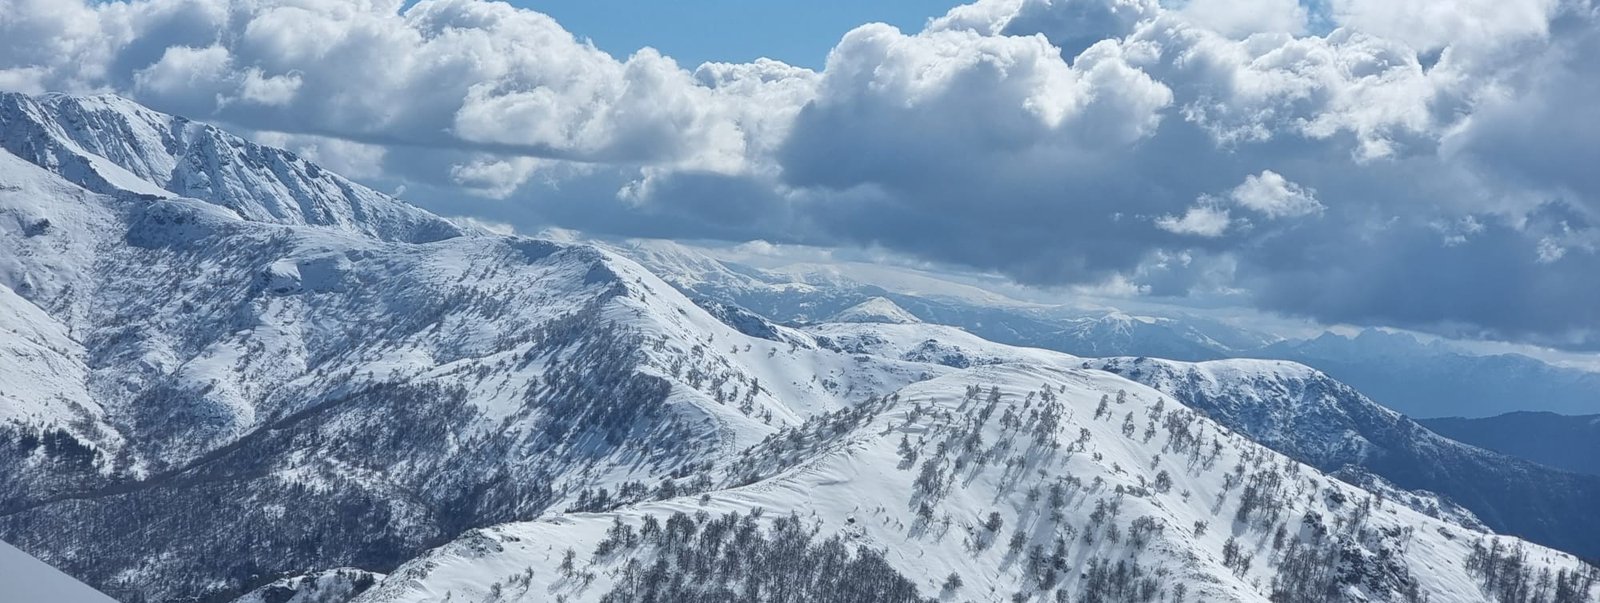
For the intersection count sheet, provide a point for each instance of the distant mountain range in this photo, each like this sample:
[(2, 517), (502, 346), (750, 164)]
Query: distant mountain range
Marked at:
[(1436, 380), (1566, 442), (1420, 379)]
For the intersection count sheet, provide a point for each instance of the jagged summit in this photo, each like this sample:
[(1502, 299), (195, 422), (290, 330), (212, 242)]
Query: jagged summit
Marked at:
[(110, 145), (877, 309)]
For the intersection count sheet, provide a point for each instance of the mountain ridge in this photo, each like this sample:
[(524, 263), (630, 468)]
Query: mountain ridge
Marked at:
[(1421, 379), (1329, 425)]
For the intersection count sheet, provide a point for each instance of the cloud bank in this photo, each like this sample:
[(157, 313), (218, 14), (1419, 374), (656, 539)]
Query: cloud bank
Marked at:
[(1425, 164)]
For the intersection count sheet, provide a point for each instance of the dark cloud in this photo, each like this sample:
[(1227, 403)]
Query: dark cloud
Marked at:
[(1485, 281)]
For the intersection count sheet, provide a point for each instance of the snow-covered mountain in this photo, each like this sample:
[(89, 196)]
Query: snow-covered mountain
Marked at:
[(256, 395), (1005, 482), (1311, 417), (804, 292), (877, 309), (1419, 379), (109, 145), (225, 372)]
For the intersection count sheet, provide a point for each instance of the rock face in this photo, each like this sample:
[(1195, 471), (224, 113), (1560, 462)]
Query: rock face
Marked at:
[(298, 389)]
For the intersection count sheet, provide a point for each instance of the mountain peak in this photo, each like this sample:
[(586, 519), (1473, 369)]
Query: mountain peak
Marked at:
[(877, 309), (113, 146)]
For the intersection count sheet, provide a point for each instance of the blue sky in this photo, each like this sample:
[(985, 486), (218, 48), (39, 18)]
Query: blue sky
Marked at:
[(696, 31)]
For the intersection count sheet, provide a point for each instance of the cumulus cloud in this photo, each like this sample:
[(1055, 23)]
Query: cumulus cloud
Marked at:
[(1204, 220), (1364, 161), (462, 74), (1274, 196), (1465, 24), (349, 159), (1267, 194), (1241, 18)]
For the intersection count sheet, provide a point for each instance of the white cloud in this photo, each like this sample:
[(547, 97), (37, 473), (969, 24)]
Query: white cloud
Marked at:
[(906, 108), (1267, 193), (495, 176), (1270, 194), (1240, 18), (1272, 87), (269, 90), (461, 74), (1071, 25), (1433, 24), (187, 77), (27, 80), (1203, 220), (344, 157), (1550, 250)]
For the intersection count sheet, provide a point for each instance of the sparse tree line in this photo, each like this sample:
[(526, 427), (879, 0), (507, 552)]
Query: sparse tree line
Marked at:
[(736, 558), (1504, 573)]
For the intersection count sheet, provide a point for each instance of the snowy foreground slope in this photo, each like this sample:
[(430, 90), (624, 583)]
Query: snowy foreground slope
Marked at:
[(1025, 482), (225, 373), (23, 578), (1314, 419)]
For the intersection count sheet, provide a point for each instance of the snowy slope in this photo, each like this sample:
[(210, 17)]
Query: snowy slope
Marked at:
[(23, 578), (927, 343), (1305, 414), (877, 309), (1285, 405), (1318, 420), (332, 586), (1074, 510), (180, 368)]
